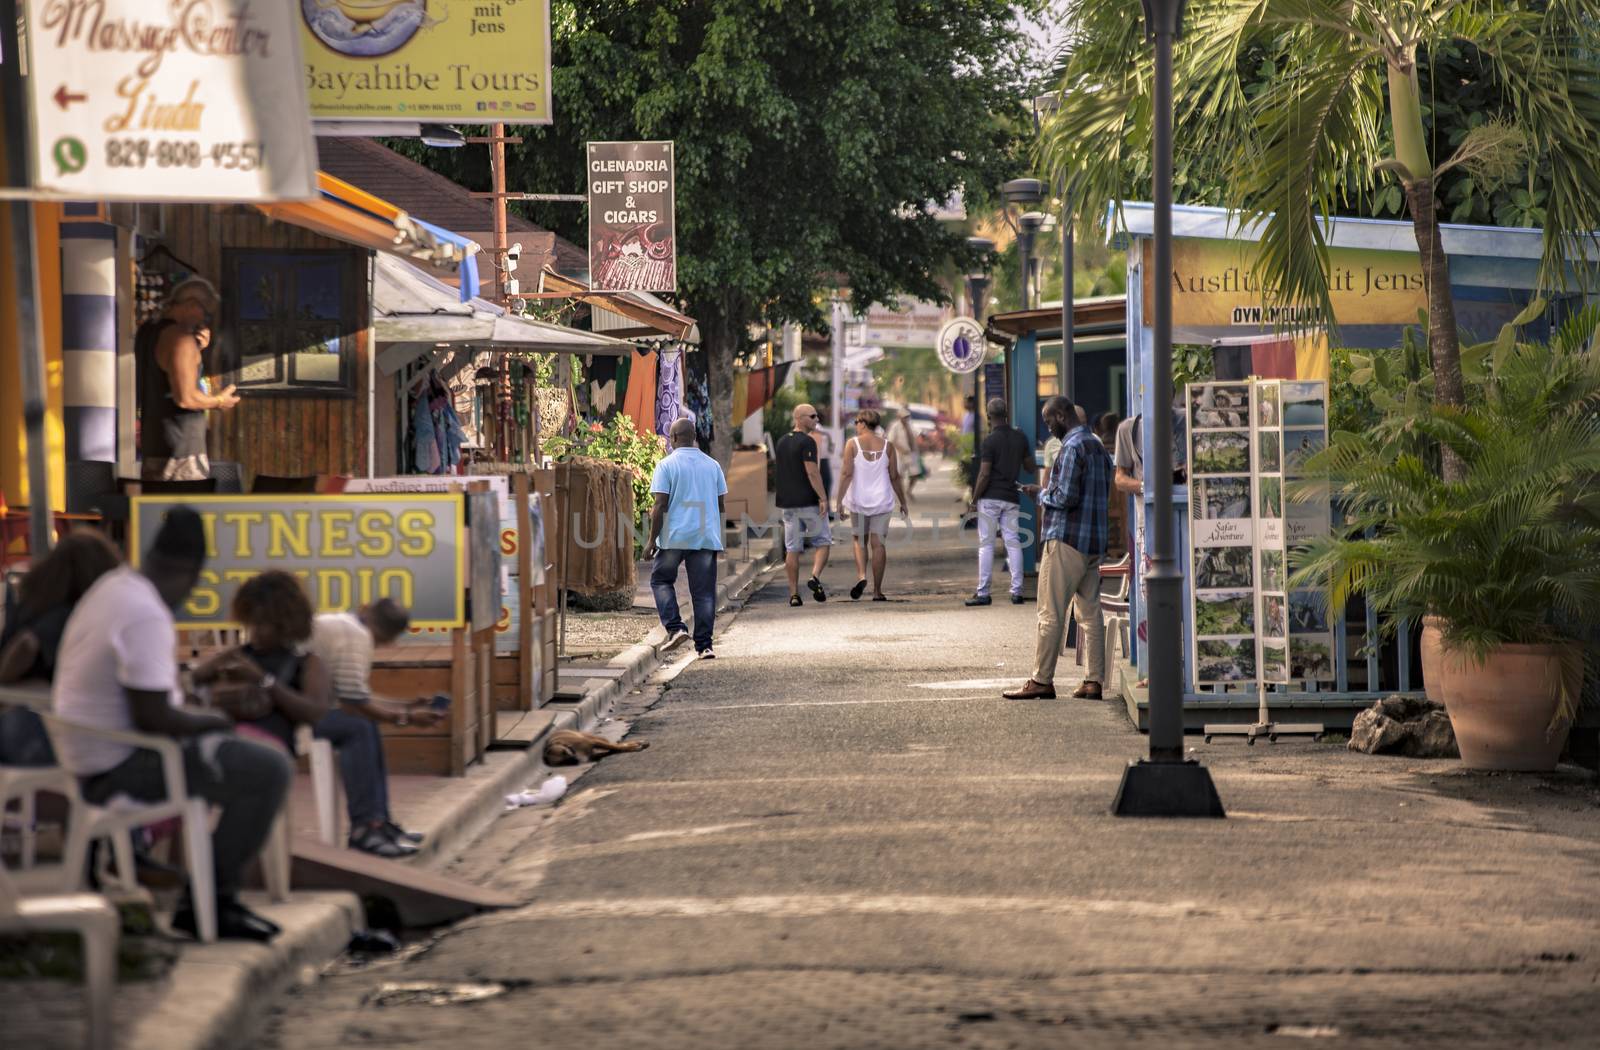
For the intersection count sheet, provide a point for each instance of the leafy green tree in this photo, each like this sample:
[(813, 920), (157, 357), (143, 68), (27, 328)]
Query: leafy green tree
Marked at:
[(1342, 119), (809, 138)]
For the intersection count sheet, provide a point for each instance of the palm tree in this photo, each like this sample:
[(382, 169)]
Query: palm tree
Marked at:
[(1342, 110)]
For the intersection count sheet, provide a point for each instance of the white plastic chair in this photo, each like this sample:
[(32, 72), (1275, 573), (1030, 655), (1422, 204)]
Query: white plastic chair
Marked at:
[(117, 820), (325, 783), (50, 899), (1114, 609)]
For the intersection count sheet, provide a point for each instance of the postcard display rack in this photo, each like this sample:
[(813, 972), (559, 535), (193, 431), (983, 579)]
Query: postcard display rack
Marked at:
[(1246, 439)]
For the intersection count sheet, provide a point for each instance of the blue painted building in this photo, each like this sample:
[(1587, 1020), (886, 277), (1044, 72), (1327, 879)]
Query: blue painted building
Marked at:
[(1493, 276)]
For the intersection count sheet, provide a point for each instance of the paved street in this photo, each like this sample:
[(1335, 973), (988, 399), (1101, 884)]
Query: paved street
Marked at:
[(841, 837)]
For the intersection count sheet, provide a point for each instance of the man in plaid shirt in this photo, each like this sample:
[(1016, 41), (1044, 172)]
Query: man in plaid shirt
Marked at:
[(1074, 500)]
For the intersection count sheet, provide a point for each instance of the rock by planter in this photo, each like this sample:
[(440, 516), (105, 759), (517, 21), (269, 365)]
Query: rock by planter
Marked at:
[(1402, 725)]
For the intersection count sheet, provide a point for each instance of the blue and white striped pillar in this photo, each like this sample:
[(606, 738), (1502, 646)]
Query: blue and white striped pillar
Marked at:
[(89, 339)]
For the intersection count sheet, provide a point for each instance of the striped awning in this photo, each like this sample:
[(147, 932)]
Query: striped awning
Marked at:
[(351, 214)]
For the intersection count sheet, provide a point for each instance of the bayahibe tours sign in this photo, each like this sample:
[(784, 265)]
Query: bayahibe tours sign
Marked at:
[(428, 60), (191, 100)]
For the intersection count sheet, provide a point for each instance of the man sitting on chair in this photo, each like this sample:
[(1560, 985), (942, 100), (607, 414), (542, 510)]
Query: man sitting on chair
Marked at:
[(344, 643), (119, 671)]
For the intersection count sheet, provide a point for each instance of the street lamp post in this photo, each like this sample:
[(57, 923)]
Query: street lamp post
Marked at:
[(1025, 194), (1028, 226), (978, 281), (1165, 784), (977, 298), (1044, 107)]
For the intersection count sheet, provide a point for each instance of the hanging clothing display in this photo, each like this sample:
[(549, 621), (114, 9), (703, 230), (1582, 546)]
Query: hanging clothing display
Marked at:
[(669, 390), (436, 431), (697, 396), (639, 402), (763, 383), (1271, 356), (602, 385)]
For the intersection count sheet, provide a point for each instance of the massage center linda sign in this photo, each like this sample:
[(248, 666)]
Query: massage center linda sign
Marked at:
[(199, 100), (1214, 287), (428, 60), (348, 550)]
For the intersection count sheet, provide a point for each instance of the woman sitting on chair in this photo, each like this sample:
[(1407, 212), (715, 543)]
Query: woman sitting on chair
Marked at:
[(35, 618), (274, 683), (271, 683)]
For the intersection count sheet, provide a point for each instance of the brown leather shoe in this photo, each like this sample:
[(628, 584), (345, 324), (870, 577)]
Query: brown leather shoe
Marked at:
[(1088, 691), (1032, 690)]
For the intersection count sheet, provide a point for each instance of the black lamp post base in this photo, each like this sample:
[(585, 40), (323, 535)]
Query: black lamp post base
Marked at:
[(1167, 789)]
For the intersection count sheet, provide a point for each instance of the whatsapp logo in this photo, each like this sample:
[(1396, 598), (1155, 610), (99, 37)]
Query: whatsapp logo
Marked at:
[(70, 154)]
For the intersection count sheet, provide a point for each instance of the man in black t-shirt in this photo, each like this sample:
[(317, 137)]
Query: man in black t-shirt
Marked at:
[(1003, 459), (803, 501)]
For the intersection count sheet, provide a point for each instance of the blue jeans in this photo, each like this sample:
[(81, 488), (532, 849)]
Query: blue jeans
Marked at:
[(361, 765), (702, 566)]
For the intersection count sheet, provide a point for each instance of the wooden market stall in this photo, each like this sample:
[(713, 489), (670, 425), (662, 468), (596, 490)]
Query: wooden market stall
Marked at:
[(436, 553)]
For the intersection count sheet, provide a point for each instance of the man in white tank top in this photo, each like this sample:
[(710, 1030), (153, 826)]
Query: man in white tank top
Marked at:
[(870, 488)]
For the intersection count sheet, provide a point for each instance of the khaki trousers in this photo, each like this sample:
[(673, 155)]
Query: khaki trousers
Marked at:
[(1064, 575)]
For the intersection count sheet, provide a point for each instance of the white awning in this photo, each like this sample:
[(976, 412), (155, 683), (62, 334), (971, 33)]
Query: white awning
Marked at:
[(420, 314)]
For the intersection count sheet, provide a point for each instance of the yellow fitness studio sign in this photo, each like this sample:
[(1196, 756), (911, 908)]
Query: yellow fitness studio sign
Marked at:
[(1213, 286), (428, 60), (348, 550)]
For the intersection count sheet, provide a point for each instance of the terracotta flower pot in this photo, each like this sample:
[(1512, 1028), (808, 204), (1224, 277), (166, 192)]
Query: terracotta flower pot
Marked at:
[(1432, 646), (1501, 708)]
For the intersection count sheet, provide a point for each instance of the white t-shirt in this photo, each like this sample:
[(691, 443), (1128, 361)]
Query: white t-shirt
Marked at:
[(343, 643), (121, 636)]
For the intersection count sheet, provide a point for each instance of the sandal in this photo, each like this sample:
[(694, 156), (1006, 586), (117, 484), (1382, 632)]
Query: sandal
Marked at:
[(817, 593), (794, 600), (858, 590), (880, 598)]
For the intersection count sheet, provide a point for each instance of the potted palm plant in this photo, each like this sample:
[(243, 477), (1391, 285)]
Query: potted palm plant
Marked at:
[(1503, 561)]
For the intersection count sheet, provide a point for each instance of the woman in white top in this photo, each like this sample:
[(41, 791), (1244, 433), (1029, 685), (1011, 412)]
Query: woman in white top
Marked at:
[(870, 487)]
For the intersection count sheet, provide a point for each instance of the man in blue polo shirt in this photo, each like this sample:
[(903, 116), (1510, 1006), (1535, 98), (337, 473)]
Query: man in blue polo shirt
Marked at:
[(686, 529)]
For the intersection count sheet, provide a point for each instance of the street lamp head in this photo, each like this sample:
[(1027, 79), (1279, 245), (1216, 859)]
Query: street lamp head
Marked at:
[(1032, 222), (1024, 193), (1046, 106), (984, 247), (1162, 16), (442, 136)]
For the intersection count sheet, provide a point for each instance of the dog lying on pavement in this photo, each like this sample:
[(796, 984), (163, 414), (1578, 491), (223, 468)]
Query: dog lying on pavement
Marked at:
[(568, 747)]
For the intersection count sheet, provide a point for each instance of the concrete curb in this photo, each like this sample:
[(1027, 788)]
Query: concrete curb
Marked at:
[(219, 993)]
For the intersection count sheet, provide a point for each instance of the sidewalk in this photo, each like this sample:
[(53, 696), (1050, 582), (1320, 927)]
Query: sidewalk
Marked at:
[(214, 995), (842, 836)]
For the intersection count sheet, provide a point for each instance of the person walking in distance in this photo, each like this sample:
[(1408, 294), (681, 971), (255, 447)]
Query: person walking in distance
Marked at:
[(824, 442), (869, 489), (1073, 499), (904, 440), (686, 529), (1002, 461), (804, 504)]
